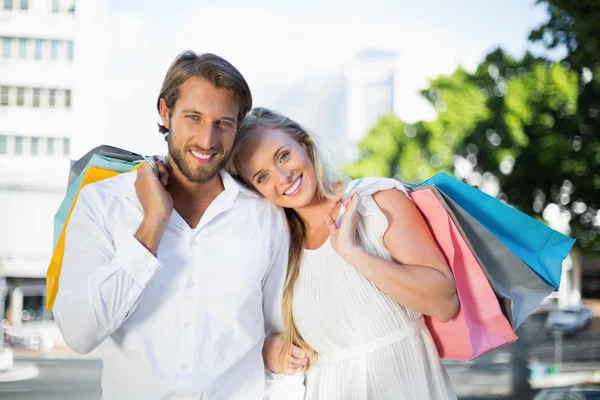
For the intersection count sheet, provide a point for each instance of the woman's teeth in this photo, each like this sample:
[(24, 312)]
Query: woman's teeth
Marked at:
[(294, 187)]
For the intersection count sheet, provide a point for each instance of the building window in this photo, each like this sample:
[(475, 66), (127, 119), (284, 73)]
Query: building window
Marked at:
[(52, 98), (70, 50), (66, 147), (36, 97), (50, 146), (20, 96), (18, 145), (72, 8), (4, 96), (6, 47), (3, 144), (39, 49), (23, 47), (55, 6), (24, 4), (34, 146), (54, 50), (8, 4), (68, 98)]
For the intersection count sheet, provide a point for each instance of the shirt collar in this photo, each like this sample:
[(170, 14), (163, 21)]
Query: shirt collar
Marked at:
[(233, 187)]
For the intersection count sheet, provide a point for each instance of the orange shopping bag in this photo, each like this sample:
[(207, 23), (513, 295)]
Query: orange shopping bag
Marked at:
[(93, 174)]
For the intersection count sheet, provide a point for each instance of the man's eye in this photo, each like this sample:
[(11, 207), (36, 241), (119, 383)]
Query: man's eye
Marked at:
[(224, 123), (193, 117)]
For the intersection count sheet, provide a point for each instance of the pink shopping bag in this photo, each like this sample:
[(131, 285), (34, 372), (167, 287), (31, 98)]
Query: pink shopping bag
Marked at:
[(479, 326)]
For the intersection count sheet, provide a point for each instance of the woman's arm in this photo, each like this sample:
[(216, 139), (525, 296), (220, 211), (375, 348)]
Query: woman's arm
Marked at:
[(418, 277)]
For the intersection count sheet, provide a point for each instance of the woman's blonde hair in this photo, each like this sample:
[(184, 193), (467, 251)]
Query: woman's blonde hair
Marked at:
[(327, 188)]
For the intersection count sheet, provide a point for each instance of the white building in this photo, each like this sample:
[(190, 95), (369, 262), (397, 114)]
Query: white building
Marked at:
[(52, 109), (340, 107)]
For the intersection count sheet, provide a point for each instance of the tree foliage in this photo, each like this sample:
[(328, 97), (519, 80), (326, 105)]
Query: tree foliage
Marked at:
[(524, 130)]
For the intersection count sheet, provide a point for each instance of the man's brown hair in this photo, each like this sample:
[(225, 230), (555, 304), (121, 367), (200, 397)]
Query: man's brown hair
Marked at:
[(210, 67)]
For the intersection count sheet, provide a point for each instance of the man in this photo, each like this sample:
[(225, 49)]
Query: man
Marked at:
[(178, 279)]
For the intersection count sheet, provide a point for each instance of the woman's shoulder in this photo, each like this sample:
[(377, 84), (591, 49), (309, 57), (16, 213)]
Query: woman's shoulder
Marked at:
[(371, 184)]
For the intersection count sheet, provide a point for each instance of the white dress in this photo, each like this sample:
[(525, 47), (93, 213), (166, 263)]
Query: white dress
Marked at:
[(369, 346)]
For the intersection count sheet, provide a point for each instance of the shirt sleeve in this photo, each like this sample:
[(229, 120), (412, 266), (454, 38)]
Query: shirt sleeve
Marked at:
[(103, 275), (278, 386)]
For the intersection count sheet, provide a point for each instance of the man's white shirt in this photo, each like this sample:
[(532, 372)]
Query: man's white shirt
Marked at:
[(189, 323)]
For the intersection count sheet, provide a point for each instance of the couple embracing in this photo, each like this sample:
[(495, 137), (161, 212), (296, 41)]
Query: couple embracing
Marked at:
[(248, 268)]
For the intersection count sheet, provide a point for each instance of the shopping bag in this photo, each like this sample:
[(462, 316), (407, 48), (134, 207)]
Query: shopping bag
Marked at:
[(479, 326), (519, 289), (539, 246), (95, 160), (92, 174)]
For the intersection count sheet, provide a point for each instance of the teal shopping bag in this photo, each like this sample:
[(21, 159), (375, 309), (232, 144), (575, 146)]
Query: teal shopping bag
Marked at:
[(95, 160), (542, 248)]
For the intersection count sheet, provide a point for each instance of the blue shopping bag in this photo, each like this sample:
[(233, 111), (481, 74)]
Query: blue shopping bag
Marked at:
[(542, 248)]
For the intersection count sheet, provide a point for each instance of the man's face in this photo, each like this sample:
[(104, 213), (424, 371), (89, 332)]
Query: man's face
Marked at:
[(202, 126)]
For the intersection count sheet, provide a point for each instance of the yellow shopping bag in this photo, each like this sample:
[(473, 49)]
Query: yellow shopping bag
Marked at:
[(93, 174)]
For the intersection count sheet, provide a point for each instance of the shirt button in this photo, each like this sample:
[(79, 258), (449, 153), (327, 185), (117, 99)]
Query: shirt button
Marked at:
[(184, 367), (194, 243), (190, 284), (186, 325)]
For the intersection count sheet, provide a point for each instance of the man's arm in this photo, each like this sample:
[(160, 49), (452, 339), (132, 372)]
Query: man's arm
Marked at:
[(288, 387), (103, 277)]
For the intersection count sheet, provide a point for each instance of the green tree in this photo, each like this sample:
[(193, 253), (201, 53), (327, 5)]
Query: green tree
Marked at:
[(519, 124)]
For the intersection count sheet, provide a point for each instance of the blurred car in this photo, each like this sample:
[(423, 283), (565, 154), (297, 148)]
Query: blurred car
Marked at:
[(548, 304), (592, 393), (568, 321)]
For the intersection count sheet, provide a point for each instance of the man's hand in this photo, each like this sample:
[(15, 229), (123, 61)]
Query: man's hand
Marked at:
[(156, 202), (271, 351)]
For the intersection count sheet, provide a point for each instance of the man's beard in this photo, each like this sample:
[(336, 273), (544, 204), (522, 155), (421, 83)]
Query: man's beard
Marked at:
[(200, 174)]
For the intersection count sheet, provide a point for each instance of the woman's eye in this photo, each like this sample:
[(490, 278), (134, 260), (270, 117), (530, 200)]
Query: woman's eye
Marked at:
[(262, 178), (284, 156)]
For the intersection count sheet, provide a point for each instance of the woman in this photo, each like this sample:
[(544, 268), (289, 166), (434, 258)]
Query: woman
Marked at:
[(354, 295)]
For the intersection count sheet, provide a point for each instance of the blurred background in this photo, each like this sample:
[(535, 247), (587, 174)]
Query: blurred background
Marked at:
[(504, 95)]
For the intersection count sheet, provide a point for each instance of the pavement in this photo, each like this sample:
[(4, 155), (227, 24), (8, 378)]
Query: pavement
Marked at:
[(20, 371)]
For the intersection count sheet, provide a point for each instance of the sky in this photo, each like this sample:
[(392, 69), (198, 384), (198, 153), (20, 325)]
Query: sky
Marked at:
[(273, 42)]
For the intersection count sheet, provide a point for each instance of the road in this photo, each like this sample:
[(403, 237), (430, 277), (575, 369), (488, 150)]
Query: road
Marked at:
[(58, 380), (489, 375), (80, 380)]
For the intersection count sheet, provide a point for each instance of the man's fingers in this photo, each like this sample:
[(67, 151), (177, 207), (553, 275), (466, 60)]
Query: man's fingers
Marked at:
[(146, 170), (163, 173)]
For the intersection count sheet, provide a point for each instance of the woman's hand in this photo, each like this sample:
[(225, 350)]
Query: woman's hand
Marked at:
[(343, 239), (272, 349)]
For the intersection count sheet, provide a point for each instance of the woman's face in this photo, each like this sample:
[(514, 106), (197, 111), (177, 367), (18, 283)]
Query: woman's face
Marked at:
[(279, 168)]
